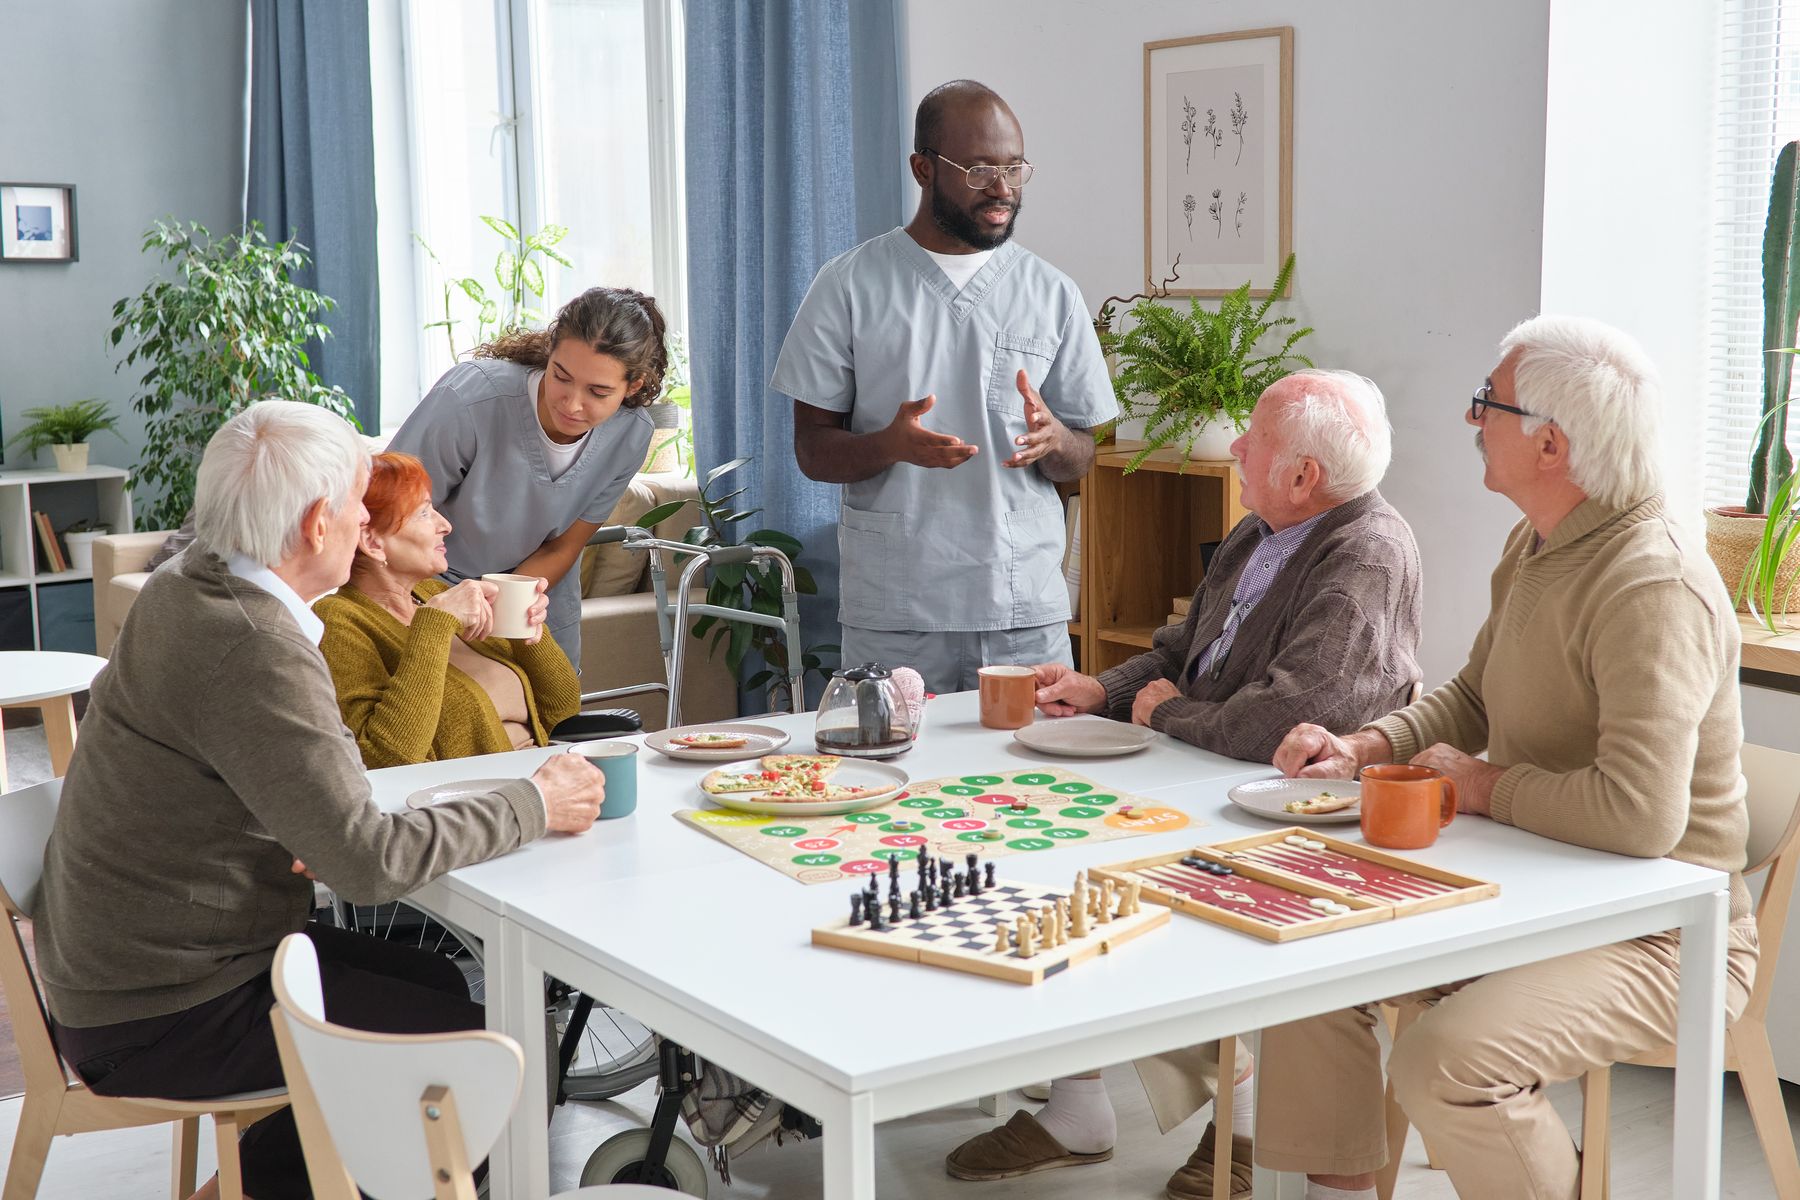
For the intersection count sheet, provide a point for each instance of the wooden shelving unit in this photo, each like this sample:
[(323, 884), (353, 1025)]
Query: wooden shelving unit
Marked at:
[(1140, 545)]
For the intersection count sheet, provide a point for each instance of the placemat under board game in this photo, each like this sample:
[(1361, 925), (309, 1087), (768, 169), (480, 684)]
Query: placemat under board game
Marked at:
[(1294, 883), (1016, 812)]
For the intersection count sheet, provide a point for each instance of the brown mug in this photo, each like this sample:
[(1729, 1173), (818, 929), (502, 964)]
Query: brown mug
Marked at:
[(1008, 696), (1404, 806)]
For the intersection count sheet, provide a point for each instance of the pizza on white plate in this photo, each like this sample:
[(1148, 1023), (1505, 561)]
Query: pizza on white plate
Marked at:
[(711, 741), (1324, 802)]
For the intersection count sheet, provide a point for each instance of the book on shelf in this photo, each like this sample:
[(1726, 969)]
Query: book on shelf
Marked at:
[(52, 552)]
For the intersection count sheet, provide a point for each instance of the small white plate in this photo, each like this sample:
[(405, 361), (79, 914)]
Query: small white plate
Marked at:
[(852, 772), (437, 793), (763, 739), (1084, 737), (1269, 797)]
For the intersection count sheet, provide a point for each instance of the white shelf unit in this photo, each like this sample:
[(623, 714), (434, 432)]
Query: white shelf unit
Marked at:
[(98, 494)]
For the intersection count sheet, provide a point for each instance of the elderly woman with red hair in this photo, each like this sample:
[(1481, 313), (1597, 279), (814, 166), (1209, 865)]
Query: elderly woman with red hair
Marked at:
[(418, 678)]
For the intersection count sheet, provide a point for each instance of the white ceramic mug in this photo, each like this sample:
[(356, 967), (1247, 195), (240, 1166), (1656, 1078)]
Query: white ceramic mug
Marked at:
[(517, 594)]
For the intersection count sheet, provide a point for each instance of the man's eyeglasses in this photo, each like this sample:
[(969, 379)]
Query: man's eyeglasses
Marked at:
[(1480, 402), (983, 177)]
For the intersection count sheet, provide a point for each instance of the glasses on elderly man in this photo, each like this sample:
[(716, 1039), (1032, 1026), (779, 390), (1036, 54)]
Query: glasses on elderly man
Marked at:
[(1480, 402), (982, 177)]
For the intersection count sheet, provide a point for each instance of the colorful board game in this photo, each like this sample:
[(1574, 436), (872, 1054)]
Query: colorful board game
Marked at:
[(1021, 933), (1294, 883), (1015, 812)]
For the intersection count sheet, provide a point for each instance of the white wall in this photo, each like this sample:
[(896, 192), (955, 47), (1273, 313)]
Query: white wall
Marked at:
[(1418, 202)]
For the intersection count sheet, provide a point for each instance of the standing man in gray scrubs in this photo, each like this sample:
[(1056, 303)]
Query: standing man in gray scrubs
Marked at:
[(949, 379)]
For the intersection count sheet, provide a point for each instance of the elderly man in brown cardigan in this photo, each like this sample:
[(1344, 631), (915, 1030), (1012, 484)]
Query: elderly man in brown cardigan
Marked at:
[(1603, 688), (212, 760), (1309, 612)]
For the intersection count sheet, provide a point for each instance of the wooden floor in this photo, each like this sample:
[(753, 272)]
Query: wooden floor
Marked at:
[(131, 1165)]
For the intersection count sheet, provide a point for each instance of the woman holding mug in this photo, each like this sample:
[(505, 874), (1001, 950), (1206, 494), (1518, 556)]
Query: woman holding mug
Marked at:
[(418, 676), (530, 444)]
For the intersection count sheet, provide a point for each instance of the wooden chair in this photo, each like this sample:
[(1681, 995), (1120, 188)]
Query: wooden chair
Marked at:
[(391, 1113), (55, 1101), (1774, 803)]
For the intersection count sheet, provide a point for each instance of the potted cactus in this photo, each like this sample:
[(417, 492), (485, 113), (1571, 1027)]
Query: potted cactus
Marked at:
[(1753, 543)]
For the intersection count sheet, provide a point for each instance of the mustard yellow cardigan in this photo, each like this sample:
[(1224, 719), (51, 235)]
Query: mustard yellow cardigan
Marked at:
[(405, 702)]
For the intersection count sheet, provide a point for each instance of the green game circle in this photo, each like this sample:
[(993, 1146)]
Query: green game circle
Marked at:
[(957, 789), (1098, 798), (1034, 780), (1082, 814), (816, 860), (889, 853), (783, 831), (868, 818), (1028, 823), (912, 827), (945, 814), (919, 802), (1063, 834), (1030, 843), (1071, 789), (975, 835), (1007, 810), (984, 781)]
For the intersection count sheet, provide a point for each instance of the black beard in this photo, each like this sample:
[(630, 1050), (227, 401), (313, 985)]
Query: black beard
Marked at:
[(958, 224)]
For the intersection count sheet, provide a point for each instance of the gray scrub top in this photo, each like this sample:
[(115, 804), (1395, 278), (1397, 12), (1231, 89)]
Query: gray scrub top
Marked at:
[(978, 546), (476, 431)]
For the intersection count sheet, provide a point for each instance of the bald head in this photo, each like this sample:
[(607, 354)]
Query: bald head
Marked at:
[(949, 104), (1339, 420)]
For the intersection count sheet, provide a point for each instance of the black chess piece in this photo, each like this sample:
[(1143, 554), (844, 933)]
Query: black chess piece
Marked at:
[(974, 861), (914, 910), (894, 870), (944, 895), (930, 899), (894, 907), (875, 922), (944, 870), (856, 908), (989, 882), (958, 892)]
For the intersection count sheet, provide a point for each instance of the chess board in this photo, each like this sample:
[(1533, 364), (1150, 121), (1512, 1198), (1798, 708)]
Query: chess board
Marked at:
[(993, 814), (1294, 883), (962, 937)]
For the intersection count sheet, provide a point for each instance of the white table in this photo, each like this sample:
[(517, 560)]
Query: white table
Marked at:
[(47, 680), (710, 947)]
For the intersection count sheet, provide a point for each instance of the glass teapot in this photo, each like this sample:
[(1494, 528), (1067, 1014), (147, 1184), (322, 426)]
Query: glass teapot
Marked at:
[(863, 714)]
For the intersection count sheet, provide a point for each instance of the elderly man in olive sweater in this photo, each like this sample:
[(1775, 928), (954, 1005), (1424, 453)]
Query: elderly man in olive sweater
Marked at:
[(1309, 611), (214, 774), (1603, 687)]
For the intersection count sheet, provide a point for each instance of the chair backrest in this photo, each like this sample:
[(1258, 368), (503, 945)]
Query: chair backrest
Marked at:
[(1773, 799), (362, 1091), (26, 817)]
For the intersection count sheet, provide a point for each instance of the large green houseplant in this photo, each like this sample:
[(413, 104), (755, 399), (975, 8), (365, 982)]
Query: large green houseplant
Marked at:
[(228, 329), (518, 280), (65, 429), (1754, 543), (1181, 372)]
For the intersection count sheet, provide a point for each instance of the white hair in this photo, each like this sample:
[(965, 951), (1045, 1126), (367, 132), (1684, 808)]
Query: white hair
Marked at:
[(1602, 391), (1339, 420), (264, 469)]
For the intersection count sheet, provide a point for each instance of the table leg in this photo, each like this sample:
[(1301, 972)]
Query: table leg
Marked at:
[(59, 731), (3, 786), (519, 1168), (996, 1105), (850, 1148), (1700, 1049)]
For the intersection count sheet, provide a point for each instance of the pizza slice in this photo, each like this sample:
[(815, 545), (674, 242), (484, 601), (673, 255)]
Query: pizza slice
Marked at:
[(817, 791), (821, 765), (1324, 802), (723, 783), (711, 741)]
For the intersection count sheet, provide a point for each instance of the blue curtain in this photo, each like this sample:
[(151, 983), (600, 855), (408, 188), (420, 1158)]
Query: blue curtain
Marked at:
[(312, 174), (782, 175)]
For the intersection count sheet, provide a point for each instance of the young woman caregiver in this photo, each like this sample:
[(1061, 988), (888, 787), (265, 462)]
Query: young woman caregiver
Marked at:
[(531, 442)]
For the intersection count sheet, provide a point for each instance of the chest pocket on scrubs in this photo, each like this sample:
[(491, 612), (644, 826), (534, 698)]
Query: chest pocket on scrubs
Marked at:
[(865, 557), (1015, 352)]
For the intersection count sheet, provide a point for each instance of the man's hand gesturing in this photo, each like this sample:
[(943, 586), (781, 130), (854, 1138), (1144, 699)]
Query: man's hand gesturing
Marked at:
[(910, 442)]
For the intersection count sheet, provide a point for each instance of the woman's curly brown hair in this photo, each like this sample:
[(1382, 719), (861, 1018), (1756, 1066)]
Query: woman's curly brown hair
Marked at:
[(615, 321)]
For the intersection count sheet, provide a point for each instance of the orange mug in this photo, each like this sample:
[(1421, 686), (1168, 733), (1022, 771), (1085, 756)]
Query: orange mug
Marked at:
[(1008, 696), (1403, 806)]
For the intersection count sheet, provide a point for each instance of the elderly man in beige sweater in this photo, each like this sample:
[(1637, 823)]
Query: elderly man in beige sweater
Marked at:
[(212, 761), (1603, 687)]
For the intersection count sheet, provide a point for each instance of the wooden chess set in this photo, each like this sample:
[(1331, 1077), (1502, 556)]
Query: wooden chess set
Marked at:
[(971, 922), (1294, 883)]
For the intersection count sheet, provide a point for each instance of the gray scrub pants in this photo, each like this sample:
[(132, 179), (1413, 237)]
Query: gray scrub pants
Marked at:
[(948, 661)]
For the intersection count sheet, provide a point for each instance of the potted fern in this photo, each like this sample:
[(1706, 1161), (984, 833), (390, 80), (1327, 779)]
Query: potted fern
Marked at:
[(1193, 377), (65, 428), (1753, 544)]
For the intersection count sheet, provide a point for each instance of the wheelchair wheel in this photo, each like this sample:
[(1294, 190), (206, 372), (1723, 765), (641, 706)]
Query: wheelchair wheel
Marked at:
[(619, 1159), (615, 1053)]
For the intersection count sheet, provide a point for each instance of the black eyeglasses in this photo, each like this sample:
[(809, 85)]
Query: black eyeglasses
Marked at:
[(982, 177), (1479, 403)]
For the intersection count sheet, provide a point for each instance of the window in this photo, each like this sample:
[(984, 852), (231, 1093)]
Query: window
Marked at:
[(1758, 113), (538, 112)]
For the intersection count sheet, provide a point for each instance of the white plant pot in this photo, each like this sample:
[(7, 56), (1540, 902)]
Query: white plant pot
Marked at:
[(81, 548), (70, 456), (1212, 440)]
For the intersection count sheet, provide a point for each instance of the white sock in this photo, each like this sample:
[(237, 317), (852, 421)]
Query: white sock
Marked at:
[(1318, 1191), (1243, 1106), (1079, 1114)]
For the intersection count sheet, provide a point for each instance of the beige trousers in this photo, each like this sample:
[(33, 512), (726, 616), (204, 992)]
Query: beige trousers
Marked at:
[(1471, 1072), (1181, 1082)]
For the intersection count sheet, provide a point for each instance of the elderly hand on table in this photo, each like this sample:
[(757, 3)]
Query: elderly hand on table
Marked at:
[(1474, 778), (573, 790), (1062, 691), (1148, 697)]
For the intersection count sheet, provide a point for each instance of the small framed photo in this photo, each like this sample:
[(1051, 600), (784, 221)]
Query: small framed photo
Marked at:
[(1218, 160), (37, 222)]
